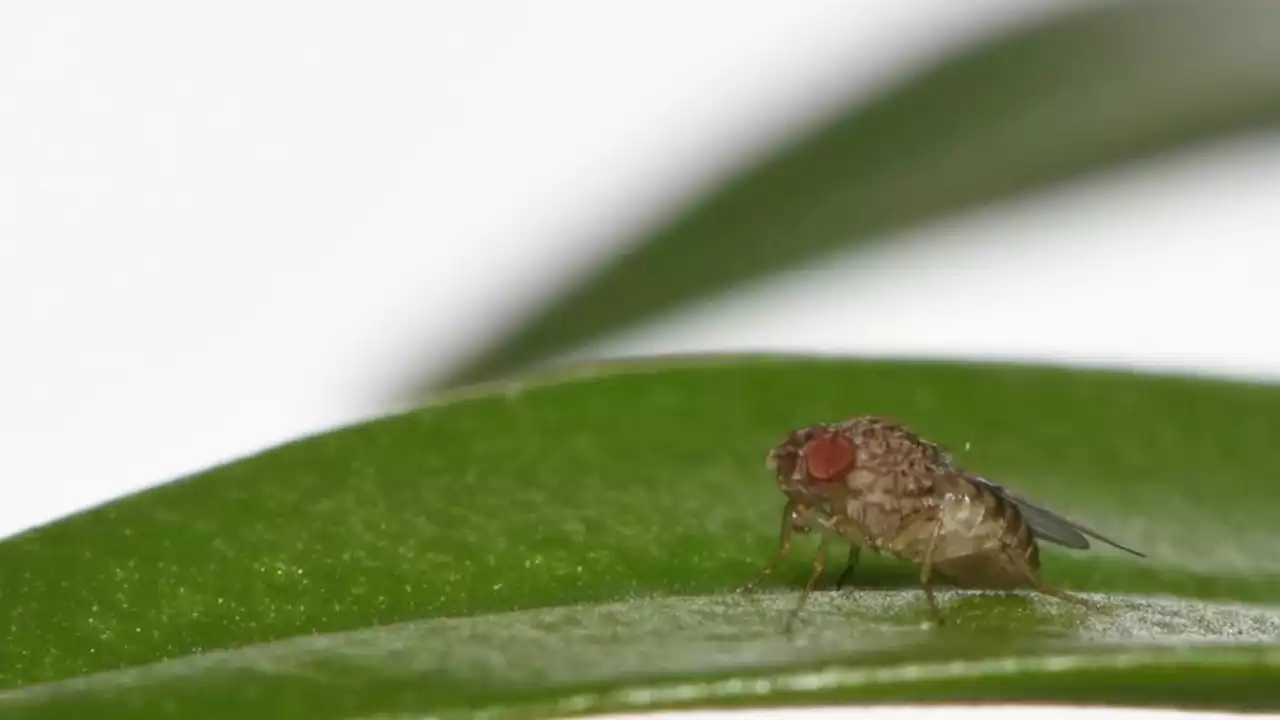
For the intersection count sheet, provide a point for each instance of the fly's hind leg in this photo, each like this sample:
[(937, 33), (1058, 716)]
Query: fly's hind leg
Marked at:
[(784, 548), (907, 539), (926, 569), (1033, 579)]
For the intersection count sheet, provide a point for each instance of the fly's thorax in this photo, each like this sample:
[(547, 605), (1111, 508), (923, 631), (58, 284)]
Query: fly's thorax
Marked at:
[(879, 511)]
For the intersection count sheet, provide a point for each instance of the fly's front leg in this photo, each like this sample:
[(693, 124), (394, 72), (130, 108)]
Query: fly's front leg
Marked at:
[(784, 547), (819, 564)]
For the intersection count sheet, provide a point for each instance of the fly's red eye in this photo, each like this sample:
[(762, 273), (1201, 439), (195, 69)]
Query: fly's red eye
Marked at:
[(828, 457)]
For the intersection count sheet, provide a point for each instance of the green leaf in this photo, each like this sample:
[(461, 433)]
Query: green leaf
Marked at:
[(573, 544), (1088, 91)]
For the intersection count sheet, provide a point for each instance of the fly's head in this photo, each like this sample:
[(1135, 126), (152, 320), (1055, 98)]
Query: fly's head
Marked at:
[(812, 463)]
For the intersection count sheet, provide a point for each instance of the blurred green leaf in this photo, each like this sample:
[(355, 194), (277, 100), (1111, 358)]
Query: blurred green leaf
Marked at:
[(1045, 104), (572, 544)]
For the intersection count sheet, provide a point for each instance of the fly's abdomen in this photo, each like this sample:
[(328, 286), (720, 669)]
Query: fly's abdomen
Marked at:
[(1017, 537), (987, 570), (980, 531)]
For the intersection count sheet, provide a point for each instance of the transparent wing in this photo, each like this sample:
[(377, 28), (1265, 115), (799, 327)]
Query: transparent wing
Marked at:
[(1048, 525)]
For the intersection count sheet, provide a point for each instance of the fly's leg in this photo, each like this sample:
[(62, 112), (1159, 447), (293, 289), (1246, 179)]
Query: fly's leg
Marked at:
[(784, 548), (905, 542), (926, 568), (847, 574), (1033, 578), (819, 564), (851, 531)]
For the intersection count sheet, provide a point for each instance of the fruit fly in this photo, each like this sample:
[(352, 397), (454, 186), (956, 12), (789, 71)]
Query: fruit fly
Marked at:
[(879, 485)]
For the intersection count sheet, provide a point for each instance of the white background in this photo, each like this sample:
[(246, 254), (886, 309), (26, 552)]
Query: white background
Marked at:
[(225, 225)]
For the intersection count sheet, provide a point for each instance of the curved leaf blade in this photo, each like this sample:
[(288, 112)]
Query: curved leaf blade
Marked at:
[(1043, 105), (625, 486), (647, 654)]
